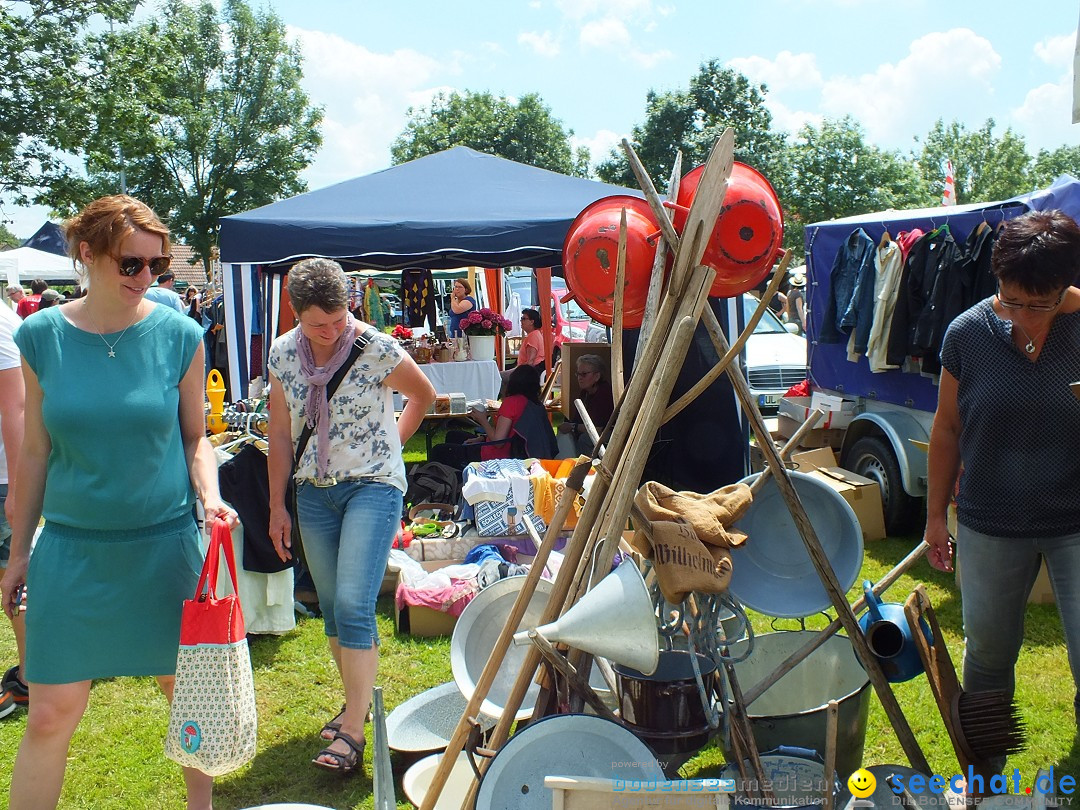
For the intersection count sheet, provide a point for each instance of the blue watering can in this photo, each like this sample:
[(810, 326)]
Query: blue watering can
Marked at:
[(888, 635)]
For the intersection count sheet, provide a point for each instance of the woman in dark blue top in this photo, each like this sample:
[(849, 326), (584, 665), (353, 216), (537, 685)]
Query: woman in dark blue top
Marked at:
[(1006, 422), (461, 304)]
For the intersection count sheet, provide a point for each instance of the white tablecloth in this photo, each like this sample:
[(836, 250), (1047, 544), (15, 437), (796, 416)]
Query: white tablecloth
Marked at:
[(476, 379)]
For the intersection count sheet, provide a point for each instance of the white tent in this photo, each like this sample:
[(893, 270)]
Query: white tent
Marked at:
[(25, 264)]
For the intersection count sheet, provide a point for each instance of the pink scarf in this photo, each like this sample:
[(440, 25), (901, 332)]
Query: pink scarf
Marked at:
[(317, 408)]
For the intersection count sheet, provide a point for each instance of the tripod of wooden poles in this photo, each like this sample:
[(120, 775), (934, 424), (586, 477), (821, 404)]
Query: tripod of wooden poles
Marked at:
[(671, 317)]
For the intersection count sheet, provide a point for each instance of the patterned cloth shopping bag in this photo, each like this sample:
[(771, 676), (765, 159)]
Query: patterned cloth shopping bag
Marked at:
[(212, 721)]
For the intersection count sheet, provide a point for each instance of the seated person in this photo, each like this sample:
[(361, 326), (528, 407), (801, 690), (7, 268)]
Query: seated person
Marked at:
[(522, 419), (531, 352), (595, 393)]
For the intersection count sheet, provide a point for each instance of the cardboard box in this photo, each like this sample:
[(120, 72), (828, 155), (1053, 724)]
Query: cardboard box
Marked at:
[(863, 495), (417, 620), (815, 437), (838, 412)]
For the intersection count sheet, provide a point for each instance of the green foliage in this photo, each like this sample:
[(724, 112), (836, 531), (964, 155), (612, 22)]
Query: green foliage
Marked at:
[(524, 131), (1051, 164), (692, 120), (834, 172), (42, 71), (204, 114), (7, 238), (985, 168)]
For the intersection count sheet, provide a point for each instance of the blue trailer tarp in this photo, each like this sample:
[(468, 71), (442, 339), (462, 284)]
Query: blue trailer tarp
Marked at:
[(451, 209), (828, 363)]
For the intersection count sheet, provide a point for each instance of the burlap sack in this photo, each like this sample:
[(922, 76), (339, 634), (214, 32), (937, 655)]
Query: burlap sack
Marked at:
[(684, 564), (710, 515)]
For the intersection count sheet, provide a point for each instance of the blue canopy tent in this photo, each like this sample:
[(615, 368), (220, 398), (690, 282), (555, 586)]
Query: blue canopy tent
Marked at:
[(451, 209), (48, 238), (828, 362)]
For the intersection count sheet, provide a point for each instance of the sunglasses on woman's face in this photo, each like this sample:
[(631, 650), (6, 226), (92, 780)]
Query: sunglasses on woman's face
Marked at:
[(133, 265)]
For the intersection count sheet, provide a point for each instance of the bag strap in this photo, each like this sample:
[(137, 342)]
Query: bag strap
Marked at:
[(220, 541), (358, 347)]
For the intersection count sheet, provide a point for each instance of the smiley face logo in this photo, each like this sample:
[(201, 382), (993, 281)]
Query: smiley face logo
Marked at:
[(861, 783)]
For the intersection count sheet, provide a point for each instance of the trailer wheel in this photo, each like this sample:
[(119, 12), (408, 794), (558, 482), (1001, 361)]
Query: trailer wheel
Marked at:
[(872, 458)]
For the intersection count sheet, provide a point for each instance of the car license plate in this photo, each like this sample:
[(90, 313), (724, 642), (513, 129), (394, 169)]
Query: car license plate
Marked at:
[(768, 400)]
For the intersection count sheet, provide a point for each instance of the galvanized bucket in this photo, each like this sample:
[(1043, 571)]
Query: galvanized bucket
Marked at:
[(792, 712)]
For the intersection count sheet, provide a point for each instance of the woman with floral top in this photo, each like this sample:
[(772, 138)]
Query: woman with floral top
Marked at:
[(350, 479)]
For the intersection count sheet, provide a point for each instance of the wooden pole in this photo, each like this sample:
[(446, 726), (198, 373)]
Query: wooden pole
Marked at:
[(617, 382), (656, 277)]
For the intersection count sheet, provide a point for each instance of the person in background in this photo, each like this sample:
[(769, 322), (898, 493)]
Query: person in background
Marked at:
[(13, 692), (461, 304), (15, 295), (192, 303), (163, 292), (50, 298), (795, 305), (114, 455), (596, 395), (349, 488), (1004, 413), (531, 352), (31, 303), (522, 416)]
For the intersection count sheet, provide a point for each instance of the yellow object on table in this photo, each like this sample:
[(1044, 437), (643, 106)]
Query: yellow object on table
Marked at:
[(215, 393)]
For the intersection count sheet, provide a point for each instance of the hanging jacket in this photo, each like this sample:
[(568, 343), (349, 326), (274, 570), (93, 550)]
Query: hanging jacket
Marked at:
[(842, 310), (418, 297), (941, 278)]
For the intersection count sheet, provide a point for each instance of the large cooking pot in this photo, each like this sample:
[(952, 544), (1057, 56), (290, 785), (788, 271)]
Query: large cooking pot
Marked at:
[(748, 233), (591, 250), (669, 699), (793, 711)]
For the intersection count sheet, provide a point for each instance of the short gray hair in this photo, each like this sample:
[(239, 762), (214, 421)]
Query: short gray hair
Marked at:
[(595, 361), (318, 283)]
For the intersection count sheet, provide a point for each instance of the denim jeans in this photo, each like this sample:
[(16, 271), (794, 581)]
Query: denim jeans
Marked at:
[(996, 578), (347, 532)]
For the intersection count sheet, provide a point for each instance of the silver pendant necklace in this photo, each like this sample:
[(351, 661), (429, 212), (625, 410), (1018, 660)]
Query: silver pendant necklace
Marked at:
[(1029, 347), (111, 346)]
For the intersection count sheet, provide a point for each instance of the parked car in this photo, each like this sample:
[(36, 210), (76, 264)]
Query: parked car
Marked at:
[(569, 320), (775, 358)]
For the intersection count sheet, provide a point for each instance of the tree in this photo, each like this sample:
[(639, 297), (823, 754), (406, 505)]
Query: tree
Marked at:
[(985, 168), (8, 239), (1051, 164), (526, 131), (692, 120), (204, 116), (42, 60), (835, 173)]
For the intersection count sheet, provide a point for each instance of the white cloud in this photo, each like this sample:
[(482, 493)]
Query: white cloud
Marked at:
[(584, 9), (1057, 51), (1045, 117), (608, 33), (945, 74), (788, 71), (544, 44), (649, 59), (599, 145), (365, 95)]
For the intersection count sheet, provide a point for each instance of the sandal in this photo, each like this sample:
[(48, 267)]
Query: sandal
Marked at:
[(346, 763), (333, 727)]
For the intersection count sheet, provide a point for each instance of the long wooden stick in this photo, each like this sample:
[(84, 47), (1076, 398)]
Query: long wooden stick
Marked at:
[(617, 381), (574, 483), (651, 197), (577, 683), (820, 561), (656, 277)]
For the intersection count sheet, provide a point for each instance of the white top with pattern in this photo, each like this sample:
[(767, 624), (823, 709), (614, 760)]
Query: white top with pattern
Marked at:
[(364, 441)]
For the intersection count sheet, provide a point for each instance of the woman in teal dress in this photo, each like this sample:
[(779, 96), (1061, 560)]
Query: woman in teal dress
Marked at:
[(114, 456)]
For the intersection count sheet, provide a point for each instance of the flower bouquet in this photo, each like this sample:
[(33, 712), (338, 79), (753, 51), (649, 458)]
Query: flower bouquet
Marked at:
[(485, 322), (401, 333)]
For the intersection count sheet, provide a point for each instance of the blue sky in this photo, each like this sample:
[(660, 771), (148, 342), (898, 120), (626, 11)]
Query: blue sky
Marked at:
[(895, 67)]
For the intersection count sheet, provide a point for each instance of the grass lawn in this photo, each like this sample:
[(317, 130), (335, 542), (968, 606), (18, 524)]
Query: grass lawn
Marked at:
[(116, 758)]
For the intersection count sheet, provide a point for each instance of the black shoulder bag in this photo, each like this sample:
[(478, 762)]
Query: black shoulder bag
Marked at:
[(358, 347)]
